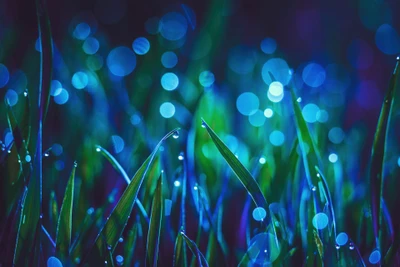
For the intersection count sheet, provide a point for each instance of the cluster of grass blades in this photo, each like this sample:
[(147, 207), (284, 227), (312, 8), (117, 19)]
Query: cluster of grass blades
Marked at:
[(298, 228)]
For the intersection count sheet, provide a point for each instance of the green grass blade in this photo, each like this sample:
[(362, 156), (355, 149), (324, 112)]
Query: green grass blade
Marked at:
[(130, 244), (153, 236), (201, 260), (241, 172), (116, 222), (53, 212), (178, 252), (64, 225), (377, 156), (121, 170), (109, 259)]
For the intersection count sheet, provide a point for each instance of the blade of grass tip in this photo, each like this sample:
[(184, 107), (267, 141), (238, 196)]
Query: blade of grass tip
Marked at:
[(378, 154), (178, 251), (64, 225), (241, 172), (116, 222), (153, 236), (130, 244), (109, 259), (201, 260), (183, 209), (121, 170), (47, 234)]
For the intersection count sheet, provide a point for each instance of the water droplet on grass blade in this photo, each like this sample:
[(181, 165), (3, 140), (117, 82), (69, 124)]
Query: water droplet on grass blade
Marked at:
[(203, 124), (109, 247), (177, 183), (320, 220), (337, 246), (28, 158), (119, 259), (259, 214), (175, 135), (98, 149), (313, 188), (75, 164), (351, 246), (181, 156)]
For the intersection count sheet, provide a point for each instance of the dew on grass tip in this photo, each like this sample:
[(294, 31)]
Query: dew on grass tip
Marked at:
[(175, 135), (181, 156), (177, 183), (351, 246), (109, 247), (98, 149)]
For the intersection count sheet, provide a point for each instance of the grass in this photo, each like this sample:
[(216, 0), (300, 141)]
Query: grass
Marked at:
[(276, 213)]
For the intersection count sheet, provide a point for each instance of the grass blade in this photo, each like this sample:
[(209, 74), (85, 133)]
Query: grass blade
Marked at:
[(130, 245), (201, 260), (178, 251), (377, 156), (64, 225), (153, 236), (241, 172), (121, 170), (118, 218), (53, 214)]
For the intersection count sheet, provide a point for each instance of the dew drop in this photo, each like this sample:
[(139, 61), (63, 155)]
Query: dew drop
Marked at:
[(46, 154), (313, 188), (299, 99), (337, 246), (28, 158), (90, 211), (109, 247), (351, 246), (98, 149), (75, 164), (175, 135), (203, 124), (9, 151), (120, 240), (119, 259), (177, 183), (26, 93), (195, 187), (77, 260), (181, 156), (105, 262)]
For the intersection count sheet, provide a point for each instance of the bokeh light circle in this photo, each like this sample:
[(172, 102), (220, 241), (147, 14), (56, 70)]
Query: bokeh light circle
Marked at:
[(277, 138), (375, 256), (259, 214), (173, 26), (341, 239), (169, 59), (257, 119), (275, 92), (206, 78), (247, 103), (268, 45), (278, 68), (309, 112), (333, 158), (80, 80), (91, 46), (387, 39), (11, 97), (336, 135), (263, 249), (118, 143), (320, 221), (314, 75), (4, 75), (62, 97), (268, 113), (121, 61), (82, 31), (54, 262), (141, 46), (167, 110), (169, 81)]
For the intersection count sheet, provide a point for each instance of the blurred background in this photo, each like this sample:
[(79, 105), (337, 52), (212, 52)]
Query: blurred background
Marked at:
[(127, 72)]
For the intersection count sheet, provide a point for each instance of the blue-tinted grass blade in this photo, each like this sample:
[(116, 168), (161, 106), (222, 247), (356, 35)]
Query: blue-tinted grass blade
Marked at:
[(200, 259), (124, 175), (64, 225)]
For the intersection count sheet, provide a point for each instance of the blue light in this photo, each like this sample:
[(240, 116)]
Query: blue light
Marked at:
[(278, 68), (263, 250), (342, 239), (173, 26), (268, 45), (387, 39), (55, 88), (314, 75), (121, 61), (118, 143), (259, 214), (167, 110), (4, 75), (275, 92), (38, 45), (135, 119), (320, 221), (206, 78), (62, 97), (277, 138), (322, 116), (91, 46), (169, 81), (169, 59), (54, 262), (310, 112), (168, 206), (79, 80), (268, 112), (247, 103), (141, 46), (374, 257), (257, 119), (94, 62), (333, 158), (57, 149), (336, 135), (11, 97), (82, 31)]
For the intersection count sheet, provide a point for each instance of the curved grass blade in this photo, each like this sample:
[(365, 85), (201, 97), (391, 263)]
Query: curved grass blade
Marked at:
[(178, 251), (53, 214), (121, 170), (153, 236), (109, 259), (378, 154), (64, 225), (118, 218), (201, 260), (241, 172)]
